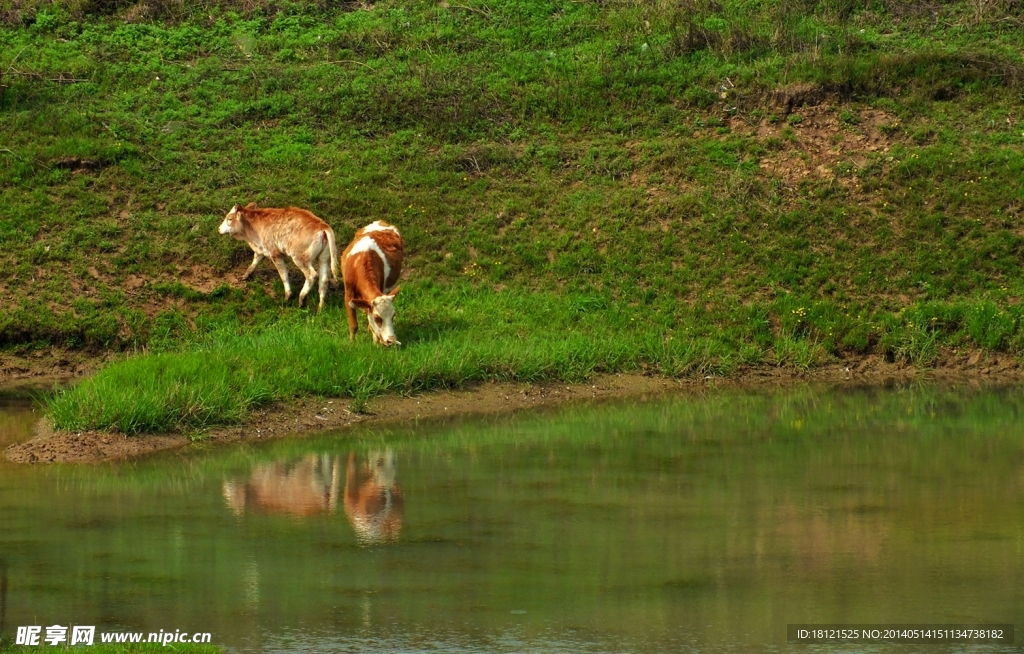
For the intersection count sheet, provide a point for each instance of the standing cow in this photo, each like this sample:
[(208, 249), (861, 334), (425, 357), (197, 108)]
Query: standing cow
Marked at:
[(294, 232), (370, 267)]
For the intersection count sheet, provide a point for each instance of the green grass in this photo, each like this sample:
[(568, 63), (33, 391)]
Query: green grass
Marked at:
[(454, 337), (488, 336), (594, 177)]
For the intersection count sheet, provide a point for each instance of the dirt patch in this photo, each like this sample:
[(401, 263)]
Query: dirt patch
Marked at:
[(793, 97), (205, 279), (87, 447), (316, 415), (814, 141)]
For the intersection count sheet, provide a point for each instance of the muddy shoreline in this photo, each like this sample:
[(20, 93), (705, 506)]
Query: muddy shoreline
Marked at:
[(310, 416)]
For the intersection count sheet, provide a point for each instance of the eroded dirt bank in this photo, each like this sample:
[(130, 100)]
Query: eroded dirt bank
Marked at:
[(46, 367), (313, 415)]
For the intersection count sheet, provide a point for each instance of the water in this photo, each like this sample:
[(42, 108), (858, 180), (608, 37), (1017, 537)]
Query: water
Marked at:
[(673, 525), (18, 414)]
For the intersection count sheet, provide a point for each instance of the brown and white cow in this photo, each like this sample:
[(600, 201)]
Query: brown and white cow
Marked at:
[(370, 267), (294, 232)]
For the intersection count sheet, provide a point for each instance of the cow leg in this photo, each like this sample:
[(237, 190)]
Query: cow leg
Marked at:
[(305, 287), (282, 270), (256, 258), (310, 280), (353, 324), (325, 269)]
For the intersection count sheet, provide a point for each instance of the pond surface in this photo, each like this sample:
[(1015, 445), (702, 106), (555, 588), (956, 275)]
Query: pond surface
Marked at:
[(677, 524), (19, 413)]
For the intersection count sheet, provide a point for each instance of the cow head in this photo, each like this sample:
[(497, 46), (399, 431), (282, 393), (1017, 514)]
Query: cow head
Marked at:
[(381, 317), (232, 222)]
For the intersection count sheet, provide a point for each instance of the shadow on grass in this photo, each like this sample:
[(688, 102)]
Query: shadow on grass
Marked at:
[(428, 331)]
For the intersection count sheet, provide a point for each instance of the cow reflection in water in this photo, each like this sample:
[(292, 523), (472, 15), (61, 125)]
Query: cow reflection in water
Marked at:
[(373, 501), (302, 487), (310, 485)]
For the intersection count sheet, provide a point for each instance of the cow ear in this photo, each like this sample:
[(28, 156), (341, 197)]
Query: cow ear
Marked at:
[(236, 208), (394, 291), (251, 206), (359, 304)]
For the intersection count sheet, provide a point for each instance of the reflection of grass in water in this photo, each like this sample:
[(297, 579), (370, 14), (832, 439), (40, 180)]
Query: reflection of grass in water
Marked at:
[(928, 426)]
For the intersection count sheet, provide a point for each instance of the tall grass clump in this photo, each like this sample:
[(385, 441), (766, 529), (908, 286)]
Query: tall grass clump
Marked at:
[(219, 385), (223, 374)]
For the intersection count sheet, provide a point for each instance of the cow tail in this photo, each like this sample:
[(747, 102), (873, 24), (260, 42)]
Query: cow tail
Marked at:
[(334, 254)]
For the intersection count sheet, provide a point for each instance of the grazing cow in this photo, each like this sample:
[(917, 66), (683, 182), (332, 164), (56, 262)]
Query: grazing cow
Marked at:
[(373, 500), (370, 267), (299, 488), (294, 232)]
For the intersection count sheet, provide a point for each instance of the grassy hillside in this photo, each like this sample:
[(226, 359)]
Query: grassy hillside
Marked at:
[(688, 185)]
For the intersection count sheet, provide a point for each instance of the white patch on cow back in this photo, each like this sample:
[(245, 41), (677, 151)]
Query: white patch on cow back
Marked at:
[(376, 226), (367, 244)]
